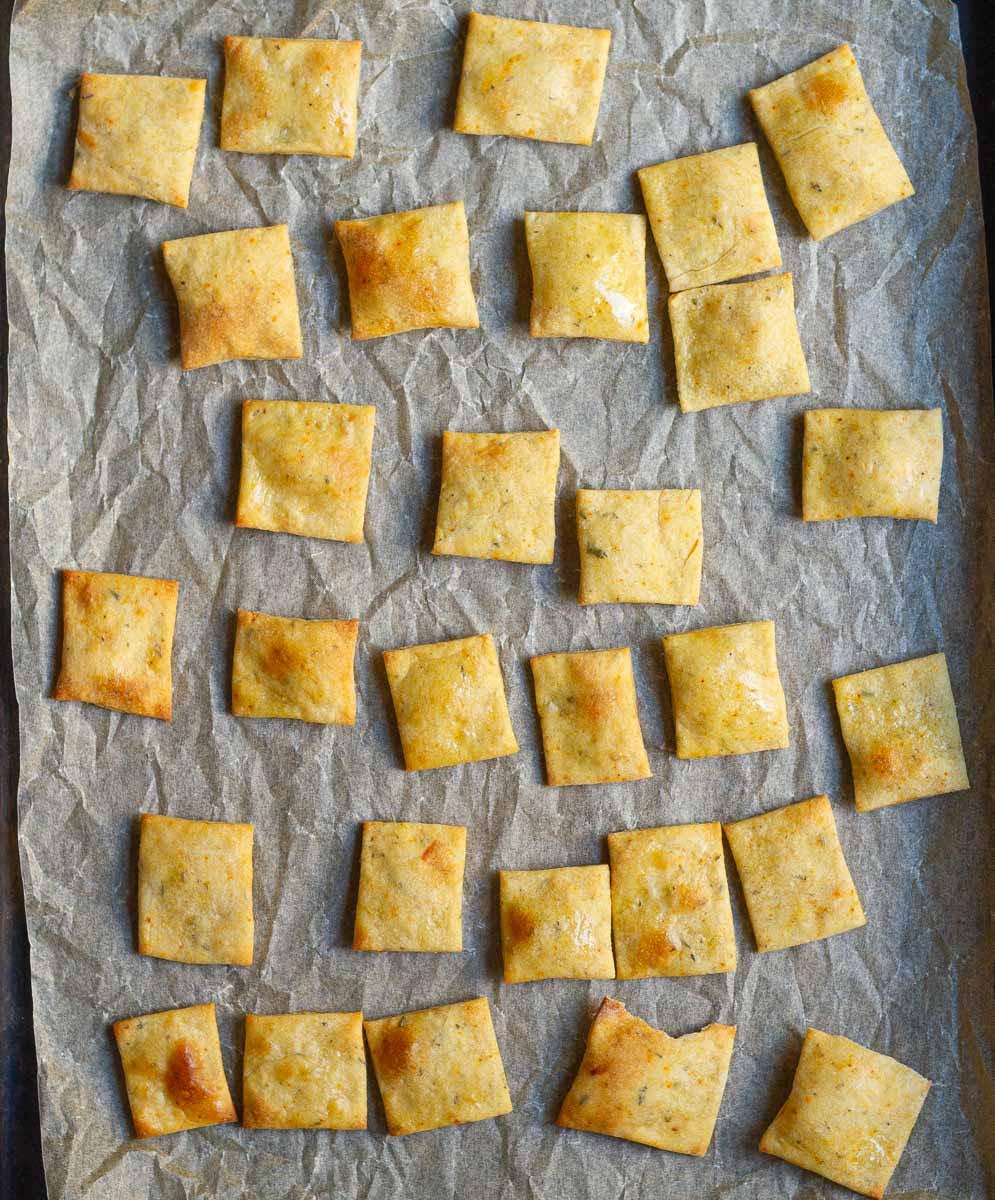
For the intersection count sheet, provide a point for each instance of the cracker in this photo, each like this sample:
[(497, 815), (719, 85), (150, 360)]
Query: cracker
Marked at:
[(900, 727), (195, 890), (410, 887), (291, 667), (117, 642), (304, 1070), (498, 495), (588, 275), (438, 1066), (290, 96), (173, 1071), (795, 879), (531, 79), (837, 161), (638, 1083), (137, 135), (590, 722), (449, 702), (726, 690), (236, 295), (640, 547), (860, 462), (305, 468), (737, 342), (850, 1114), (557, 924), (409, 270), (709, 216)]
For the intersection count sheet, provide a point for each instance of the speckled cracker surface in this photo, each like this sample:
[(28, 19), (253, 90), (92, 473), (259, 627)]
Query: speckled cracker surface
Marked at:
[(137, 135), (195, 890), (795, 879), (438, 1066), (117, 642), (837, 160), (850, 1114), (304, 1070), (410, 887), (638, 1083), (531, 79), (173, 1070), (900, 727)]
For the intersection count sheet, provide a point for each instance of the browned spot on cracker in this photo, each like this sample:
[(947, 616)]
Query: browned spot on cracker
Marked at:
[(395, 1055)]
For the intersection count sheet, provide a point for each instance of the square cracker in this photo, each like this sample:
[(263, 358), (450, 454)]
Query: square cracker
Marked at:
[(305, 468), (195, 890), (837, 161), (498, 495), (409, 270), (557, 924), (590, 722), (304, 1070), (795, 879), (900, 727), (531, 79), (449, 702), (709, 216), (861, 462), (173, 1071), (410, 887), (290, 96), (137, 135), (292, 667), (638, 1083), (737, 342), (438, 1066), (850, 1114), (236, 295), (640, 547), (726, 690), (588, 275), (117, 642), (670, 902)]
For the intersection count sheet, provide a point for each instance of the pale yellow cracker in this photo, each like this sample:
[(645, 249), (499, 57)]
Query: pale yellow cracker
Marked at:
[(861, 462), (449, 702), (236, 295), (195, 890), (304, 1070), (590, 722), (409, 270), (737, 342), (837, 160), (640, 547), (670, 902), (795, 879), (850, 1114), (173, 1071), (900, 727), (438, 1066), (710, 217), (117, 642), (726, 690), (290, 96), (638, 1083), (137, 136), (531, 79), (588, 275), (410, 887), (557, 924), (498, 495)]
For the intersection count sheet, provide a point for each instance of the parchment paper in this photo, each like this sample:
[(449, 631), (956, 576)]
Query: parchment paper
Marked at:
[(120, 462)]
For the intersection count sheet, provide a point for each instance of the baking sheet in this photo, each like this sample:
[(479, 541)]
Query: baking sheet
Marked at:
[(121, 462)]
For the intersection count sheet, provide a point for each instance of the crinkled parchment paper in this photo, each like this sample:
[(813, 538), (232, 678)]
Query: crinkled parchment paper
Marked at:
[(119, 462)]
